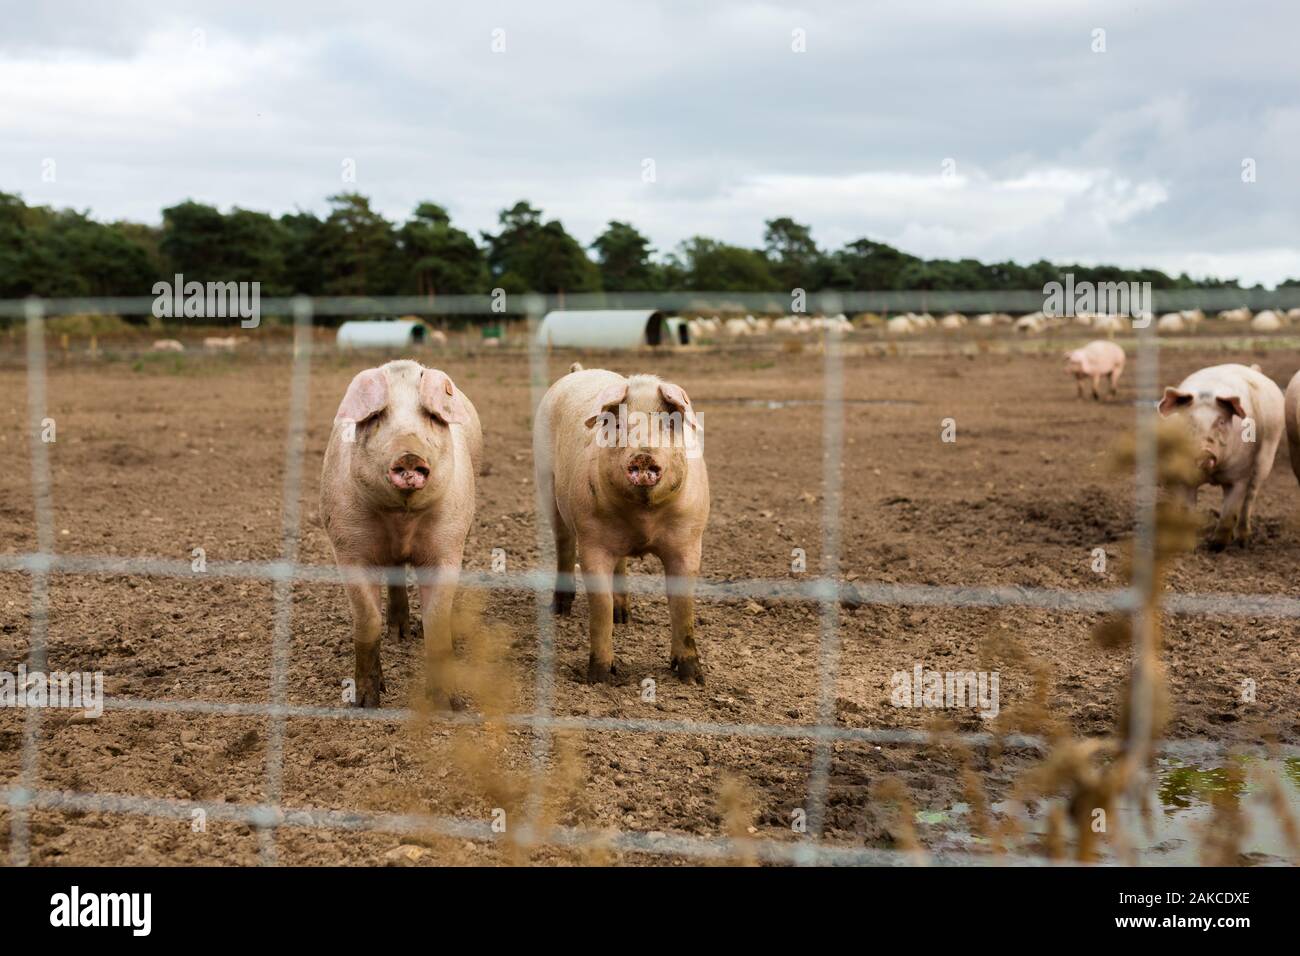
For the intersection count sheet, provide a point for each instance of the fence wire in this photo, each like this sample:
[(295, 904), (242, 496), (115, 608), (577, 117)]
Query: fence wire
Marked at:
[(825, 589)]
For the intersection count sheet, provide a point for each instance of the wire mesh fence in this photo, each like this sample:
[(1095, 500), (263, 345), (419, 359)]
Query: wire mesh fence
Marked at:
[(828, 590)]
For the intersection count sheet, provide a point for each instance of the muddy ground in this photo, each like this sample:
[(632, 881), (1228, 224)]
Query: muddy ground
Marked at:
[(157, 457)]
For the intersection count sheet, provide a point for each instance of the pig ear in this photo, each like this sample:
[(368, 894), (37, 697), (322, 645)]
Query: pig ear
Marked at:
[(366, 396), (676, 396), (1231, 405), (1173, 399), (439, 397), (614, 394)]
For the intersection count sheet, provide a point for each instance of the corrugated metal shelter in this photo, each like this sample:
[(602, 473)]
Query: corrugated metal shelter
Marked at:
[(389, 333), (604, 329)]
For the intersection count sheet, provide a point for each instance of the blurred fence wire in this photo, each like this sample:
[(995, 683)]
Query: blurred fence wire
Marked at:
[(826, 589)]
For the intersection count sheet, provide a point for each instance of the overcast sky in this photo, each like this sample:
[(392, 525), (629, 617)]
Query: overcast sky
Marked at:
[(982, 128)]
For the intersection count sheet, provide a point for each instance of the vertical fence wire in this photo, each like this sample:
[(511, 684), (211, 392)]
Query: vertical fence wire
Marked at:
[(291, 536), (1142, 680), (828, 652), (38, 636), (544, 682)]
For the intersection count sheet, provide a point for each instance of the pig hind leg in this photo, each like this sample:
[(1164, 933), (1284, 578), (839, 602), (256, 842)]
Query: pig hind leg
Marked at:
[(1114, 380), (1263, 465), (399, 613), (1234, 497), (566, 556), (622, 604), (1096, 388)]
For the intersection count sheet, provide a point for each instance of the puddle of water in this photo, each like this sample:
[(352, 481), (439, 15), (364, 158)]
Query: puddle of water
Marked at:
[(799, 402), (1184, 792)]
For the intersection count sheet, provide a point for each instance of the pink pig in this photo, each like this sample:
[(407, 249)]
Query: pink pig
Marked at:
[(1096, 360), (398, 488)]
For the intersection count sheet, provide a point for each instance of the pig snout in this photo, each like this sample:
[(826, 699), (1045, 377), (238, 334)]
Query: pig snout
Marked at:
[(643, 470), (409, 472)]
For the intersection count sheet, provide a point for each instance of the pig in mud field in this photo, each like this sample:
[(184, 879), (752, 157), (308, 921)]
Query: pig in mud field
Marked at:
[(397, 488), (1234, 415), (619, 475), (1096, 360)]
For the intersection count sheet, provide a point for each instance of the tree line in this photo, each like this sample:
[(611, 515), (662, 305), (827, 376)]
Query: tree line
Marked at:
[(354, 250)]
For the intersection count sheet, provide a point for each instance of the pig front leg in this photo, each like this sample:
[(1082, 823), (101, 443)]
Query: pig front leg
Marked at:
[(682, 568), (622, 606), (1096, 388), (598, 577), (1114, 381), (1234, 496), (1078, 386), (437, 593), (364, 597)]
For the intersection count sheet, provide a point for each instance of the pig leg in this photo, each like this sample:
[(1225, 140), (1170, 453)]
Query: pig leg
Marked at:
[(566, 555), (682, 568), (1259, 474), (1078, 386), (399, 613), (597, 576), (436, 596), (1234, 496), (622, 608), (1096, 388), (369, 676), (1114, 380)]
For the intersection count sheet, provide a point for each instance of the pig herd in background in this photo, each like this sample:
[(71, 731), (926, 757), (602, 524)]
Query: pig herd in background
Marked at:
[(397, 488)]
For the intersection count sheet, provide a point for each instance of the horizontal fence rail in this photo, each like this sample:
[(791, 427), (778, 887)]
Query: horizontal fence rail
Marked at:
[(524, 304)]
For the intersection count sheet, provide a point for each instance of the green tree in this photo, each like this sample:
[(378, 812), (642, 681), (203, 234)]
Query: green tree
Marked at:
[(711, 266), (796, 262), (358, 249), (541, 254), (623, 255), (440, 258)]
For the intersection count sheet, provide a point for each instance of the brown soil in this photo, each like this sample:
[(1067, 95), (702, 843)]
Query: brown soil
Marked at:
[(164, 456)]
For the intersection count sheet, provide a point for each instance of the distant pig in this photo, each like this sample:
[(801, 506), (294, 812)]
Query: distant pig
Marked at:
[(619, 475), (1235, 416), (1096, 360), (398, 488)]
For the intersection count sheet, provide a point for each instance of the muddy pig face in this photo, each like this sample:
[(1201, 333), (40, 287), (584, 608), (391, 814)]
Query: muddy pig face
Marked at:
[(403, 448), (646, 433), (1209, 419)]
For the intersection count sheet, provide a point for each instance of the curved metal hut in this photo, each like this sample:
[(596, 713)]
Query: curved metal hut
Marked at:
[(389, 333), (605, 329)]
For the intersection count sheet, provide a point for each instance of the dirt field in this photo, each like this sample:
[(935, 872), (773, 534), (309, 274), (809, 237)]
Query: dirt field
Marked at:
[(158, 457)]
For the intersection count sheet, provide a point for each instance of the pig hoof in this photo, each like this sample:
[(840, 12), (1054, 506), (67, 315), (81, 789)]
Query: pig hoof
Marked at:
[(562, 603), (622, 614), (440, 700), (598, 673), (368, 695), (688, 669)]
